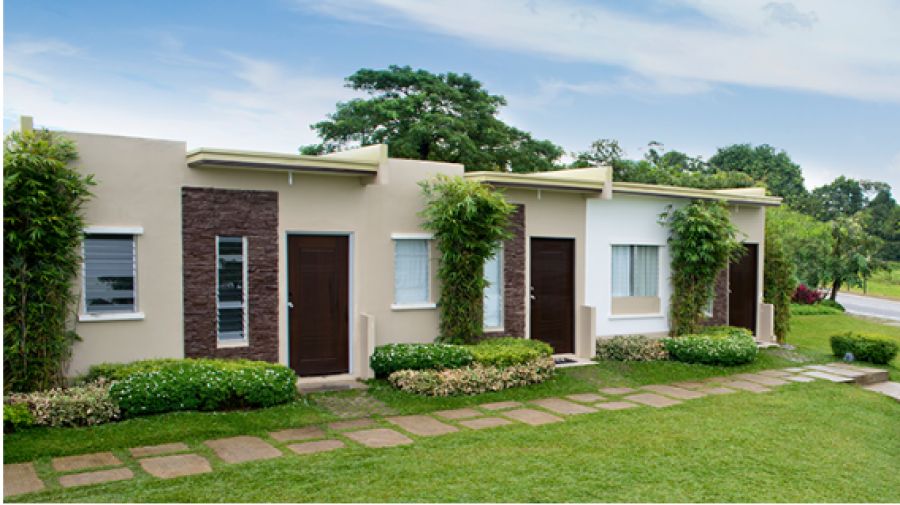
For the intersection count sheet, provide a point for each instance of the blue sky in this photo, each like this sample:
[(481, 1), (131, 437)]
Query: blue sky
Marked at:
[(817, 78)]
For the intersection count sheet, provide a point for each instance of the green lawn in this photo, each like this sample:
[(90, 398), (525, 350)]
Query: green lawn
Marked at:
[(885, 283), (802, 442)]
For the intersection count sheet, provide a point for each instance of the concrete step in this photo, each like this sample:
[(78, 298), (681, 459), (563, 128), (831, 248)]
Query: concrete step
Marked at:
[(860, 374)]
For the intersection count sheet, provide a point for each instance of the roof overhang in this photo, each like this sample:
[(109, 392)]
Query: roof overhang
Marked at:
[(587, 181), (736, 196), (350, 163)]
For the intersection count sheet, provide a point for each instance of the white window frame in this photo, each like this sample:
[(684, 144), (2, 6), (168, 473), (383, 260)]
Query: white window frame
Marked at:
[(631, 268), (90, 317), (245, 296), (428, 304), (501, 281)]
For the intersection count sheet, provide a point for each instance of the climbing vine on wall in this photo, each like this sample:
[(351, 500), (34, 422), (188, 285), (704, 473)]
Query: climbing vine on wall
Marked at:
[(702, 241), (42, 231), (779, 281), (469, 220)]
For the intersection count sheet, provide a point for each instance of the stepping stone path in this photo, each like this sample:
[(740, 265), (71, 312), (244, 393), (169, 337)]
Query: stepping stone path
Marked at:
[(241, 449), (532, 417), (158, 460), (354, 424), (317, 446), (500, 405), (564, 407), (379, 437), (156, 450), (423, 426), (652, 400), (20, 478), (169, 467), (674, 392), (98, 477), (97, 459), (458, 413), (485, 422), (305, 433)]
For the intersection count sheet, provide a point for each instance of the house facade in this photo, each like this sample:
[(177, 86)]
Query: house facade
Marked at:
[(312, 261)]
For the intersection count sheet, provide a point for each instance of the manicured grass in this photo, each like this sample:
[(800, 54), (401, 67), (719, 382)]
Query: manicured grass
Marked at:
[(884, 283), (811, 334), (800, 443)]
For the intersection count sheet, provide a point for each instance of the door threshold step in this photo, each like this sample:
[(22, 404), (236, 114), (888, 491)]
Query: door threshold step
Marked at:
[(323, 384)]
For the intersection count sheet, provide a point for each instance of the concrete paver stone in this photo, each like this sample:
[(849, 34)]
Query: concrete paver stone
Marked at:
[(304, 433), (616, 405), (689, 385), (585, 398), (774, 373), (353, 424), (485, 422), (653, 400), (618, 391), (424, 426), (889, 389), (800, 378), (243, 448), (20, 478), (379, 437), (565, 407), (500, 405), (753, 387), (717, 391), (532, 417), (828, 376), (458, 413), (316, 446), (98, 477), (179, 465), (760, 379), (82, 461), (156, 450), (674, 392)]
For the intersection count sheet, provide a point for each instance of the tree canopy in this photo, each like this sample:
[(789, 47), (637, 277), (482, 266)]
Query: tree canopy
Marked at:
[(426, 116), (764, 164)]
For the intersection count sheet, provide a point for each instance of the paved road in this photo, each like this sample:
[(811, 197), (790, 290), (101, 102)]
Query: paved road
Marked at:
[(869, 306)]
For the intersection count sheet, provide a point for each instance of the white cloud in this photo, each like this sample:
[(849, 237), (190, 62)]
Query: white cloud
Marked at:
[(827, 46), (237, 101)]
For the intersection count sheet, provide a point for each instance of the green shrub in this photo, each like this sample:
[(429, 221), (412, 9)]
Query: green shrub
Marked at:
[(726, 331), (630, 348), (16, 416), (390, 358), (119, 371), (86, 405), (157, 386), (832, 304), (817, 309), (473, 379), (508, 351), (864, 348), (712, 350)]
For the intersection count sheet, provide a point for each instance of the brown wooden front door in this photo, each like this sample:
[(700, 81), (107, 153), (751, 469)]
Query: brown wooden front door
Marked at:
[(743, 286), (318, 287), (553, 292)]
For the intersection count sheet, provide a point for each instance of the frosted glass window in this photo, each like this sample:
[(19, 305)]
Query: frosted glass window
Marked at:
[(493, 291), (411, 272), (231, 288), (635, 270), (109, 273)]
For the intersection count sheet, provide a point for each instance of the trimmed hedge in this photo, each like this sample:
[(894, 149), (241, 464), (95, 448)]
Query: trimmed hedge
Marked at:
[(509, 351), (727, 331), (817, 309), (630, 348), (473, 379), (712, 349), (391, 358), (864, 348), (86, 405), (160, 386)]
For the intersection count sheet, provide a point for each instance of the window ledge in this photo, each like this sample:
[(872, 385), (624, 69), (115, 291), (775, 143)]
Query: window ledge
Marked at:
[(414, 306), (637, 316), (113, 316), (232, 345)]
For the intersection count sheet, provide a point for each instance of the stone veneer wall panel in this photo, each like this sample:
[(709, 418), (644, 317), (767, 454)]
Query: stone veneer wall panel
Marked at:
[(514, 279), (720, 301), (206, 213)]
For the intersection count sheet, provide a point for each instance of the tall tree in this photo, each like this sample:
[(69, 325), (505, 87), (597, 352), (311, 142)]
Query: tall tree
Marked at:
[(602, 152), (842, 197), (807, 242), (426, 116), (852, 258), (764, 164), (882, 218)]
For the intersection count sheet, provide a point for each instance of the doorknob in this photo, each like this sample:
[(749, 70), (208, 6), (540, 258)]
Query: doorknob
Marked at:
[(290, 305), (533, 297)]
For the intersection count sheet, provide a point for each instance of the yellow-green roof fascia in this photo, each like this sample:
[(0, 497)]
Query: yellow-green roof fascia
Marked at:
[(531, 181), (748, 196), (279, 162)]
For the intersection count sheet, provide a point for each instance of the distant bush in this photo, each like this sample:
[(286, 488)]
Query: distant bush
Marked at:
[(630, 348), (390, 358), (832, 304), (864, 348), (86, 405), (157, 386), (727, 331), (813, 310), (472, 379), (16, 416), (804, 295), (508, 351), (712, 349)]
